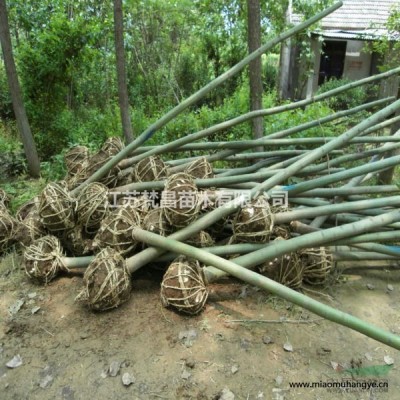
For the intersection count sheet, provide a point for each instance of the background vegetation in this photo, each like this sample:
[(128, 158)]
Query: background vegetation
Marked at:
[(64, 51)]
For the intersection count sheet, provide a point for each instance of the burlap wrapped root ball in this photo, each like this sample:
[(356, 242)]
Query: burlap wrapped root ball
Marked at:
[(106, 282), (180, 200), (183, 287), (92, 206), (56, 208), (116, 230), (200, 169), (76, 158), (254, 221), (150, 169), (8, 228), (287, 269), (43, 259), (317, 265), (30, 226), (156, 222)]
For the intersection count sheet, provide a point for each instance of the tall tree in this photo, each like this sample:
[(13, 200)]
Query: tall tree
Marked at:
[(16, 96), (121, 72), (255, 69)]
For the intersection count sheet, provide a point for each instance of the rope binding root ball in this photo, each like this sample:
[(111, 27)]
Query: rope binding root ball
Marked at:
[(150, 169), (43, 259), (4, 199), (180, 200), (156, 222), (116, 230), (287, 269), (254, 221), (92, 206), (106, 281), (200, 169), (183, 286), (8, 227), (75, 158), (317, 265), (57, 208)]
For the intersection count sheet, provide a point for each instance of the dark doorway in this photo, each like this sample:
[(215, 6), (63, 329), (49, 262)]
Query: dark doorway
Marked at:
[(332, 60)]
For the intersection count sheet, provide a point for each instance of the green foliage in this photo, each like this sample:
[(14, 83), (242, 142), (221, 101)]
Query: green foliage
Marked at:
[(346, 100)]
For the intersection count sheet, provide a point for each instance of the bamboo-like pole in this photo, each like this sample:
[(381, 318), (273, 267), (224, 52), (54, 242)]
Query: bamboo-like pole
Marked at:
[(333, 192), (339, 176), (210, 218), (153, 128), (298, 214), (180, 143), (282, 291), (223, 154)]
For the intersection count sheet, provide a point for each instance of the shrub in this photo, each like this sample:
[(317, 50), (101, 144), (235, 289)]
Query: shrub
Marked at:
[(349, 99)]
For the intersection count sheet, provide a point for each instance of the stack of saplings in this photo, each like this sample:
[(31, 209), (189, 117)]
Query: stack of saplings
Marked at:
[(276, 212)]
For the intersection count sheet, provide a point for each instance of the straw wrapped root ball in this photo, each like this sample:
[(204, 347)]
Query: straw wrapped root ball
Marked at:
[(75, 158), (183, 286), (8, 227), (106, 282), (287, 269), (92, 206), (116, 230), (180, 200), (254, 222), (150, 169), (56, 208), (156, 222), (200, 169), (317, 265), (43, 259)]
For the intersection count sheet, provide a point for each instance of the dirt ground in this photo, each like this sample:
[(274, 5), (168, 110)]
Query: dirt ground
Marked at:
[(70, 353)]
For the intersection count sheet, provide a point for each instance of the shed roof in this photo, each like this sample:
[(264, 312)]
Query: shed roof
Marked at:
[(357, 15)]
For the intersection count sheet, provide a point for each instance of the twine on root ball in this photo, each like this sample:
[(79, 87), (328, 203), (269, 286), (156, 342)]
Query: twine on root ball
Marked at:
[(156, 222), (287, 269), (180, 200), (75, 158), (43, 259), (200, 169), (8, 226), (112, 146), (201, 239), (183, 286), (116, 230), (92, 206), (142, 204), (26, 208), (30, 228), (4, 198), (317, 265), (106, 282), (75, 242), (56, 208), (150, 169), (254, 222)]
